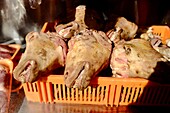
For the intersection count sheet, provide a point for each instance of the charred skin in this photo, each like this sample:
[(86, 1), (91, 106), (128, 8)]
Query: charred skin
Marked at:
[(44, 52), (88, 54), (135, 58)]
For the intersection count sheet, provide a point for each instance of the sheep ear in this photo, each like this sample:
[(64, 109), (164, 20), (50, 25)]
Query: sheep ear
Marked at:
[(31, 36)]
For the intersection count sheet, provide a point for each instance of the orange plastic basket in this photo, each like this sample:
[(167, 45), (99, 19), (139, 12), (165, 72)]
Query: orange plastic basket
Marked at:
[(9, 64), (163, 31), (101, 91), (48, 26)]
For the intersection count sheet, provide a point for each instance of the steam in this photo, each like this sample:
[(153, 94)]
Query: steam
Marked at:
[(13, 15), (14, 18)]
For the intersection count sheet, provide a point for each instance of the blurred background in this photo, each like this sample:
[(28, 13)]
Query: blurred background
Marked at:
[(18, 17)]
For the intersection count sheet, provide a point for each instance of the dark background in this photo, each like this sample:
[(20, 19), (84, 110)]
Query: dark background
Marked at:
[(144, 13)]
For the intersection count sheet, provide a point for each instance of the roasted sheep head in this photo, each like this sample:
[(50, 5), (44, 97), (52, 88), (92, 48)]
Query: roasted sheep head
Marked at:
[(44, 52), (137, 58), (163, 47), (89, 52)]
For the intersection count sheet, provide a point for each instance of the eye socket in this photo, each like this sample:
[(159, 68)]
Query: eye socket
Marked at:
[(80, 33), (127, 49), (42, 53)]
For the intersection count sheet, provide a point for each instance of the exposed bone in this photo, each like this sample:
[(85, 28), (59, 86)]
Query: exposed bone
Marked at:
[(71, 28), (129, 28), (168, 42), (150, 32), (116, 35), (124, 30), (154, 39), (156, 42), (80, 15)]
